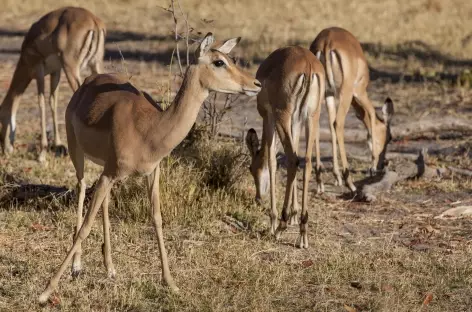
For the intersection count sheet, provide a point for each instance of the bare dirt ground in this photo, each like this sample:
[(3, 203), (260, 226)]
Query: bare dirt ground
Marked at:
[(391, 255)]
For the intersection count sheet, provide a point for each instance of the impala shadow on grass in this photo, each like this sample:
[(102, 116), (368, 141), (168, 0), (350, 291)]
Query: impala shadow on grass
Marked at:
[(419, 51), (416, 49), (111, 36), (162, 57), (17, 193)]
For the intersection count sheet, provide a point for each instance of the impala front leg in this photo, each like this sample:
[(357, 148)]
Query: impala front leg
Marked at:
[(345, 100), (153, 190), (273, 188)]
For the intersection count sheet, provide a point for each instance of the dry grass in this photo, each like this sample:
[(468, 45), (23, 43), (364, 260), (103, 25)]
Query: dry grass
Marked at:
[(383, 257), (444, 26)]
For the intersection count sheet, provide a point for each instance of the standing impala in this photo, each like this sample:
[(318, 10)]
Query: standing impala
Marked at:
[(70, 38), (293, 84), (115, 125), (347, 76)]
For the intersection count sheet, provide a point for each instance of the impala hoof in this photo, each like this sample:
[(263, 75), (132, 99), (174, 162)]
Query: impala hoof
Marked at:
[(351, 187), (60, 150), (259, 201), (293, 219), (282, 227), (111, 273), (8, 149), (302, 241), (42, 157), (172, 286), (43, 299), (76, 270)]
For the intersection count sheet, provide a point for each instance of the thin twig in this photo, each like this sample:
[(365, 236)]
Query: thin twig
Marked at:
[(169, 81), (123, 64), (187, 31), (176, 34)]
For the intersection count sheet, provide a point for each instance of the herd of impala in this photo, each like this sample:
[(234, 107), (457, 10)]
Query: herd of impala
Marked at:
[(119, 127)]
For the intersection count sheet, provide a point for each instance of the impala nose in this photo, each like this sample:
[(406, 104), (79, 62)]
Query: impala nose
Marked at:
[(257, 83)]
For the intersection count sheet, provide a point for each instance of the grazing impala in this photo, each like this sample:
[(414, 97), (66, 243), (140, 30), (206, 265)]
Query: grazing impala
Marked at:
[(70, 38), (293, 84), (117, 126), (347, 76)]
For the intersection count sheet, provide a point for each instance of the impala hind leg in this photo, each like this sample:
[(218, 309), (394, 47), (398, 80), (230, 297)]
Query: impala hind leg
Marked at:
[(78, 160), (330, 103), (42, 109), (81, 187), (60, 149), (72, 71), (103, 187), (285, 134), (294, 214), (316, 134), (302, 240), (106, 247)]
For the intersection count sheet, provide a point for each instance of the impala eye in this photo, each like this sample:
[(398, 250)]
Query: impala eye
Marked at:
[(218, 63)]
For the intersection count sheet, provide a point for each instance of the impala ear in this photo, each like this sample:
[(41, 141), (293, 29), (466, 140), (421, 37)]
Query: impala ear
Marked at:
[(204, 45), (387, 110), (228, 45), (252, 141)]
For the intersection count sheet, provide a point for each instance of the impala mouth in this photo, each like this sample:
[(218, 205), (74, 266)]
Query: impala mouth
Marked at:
[(251, 92)]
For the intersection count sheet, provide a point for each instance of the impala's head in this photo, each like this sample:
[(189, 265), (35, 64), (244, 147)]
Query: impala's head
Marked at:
[(382, 134), (218, 70), (259, 170)]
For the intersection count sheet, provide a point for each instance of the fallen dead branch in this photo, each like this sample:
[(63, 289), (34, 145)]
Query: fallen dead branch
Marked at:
[(431, 127), (460, 171), (456, 212), (402, 169)]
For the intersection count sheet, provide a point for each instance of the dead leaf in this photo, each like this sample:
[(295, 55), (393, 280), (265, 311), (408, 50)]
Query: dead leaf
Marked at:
[(428, 299), (331, 290), (39, 227), (349, 309), (307, 263), (387, 288), (54, 301)]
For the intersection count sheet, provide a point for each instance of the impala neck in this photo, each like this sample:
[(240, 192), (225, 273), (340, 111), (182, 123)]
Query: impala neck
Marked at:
[(20, 81), (177, 120)]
